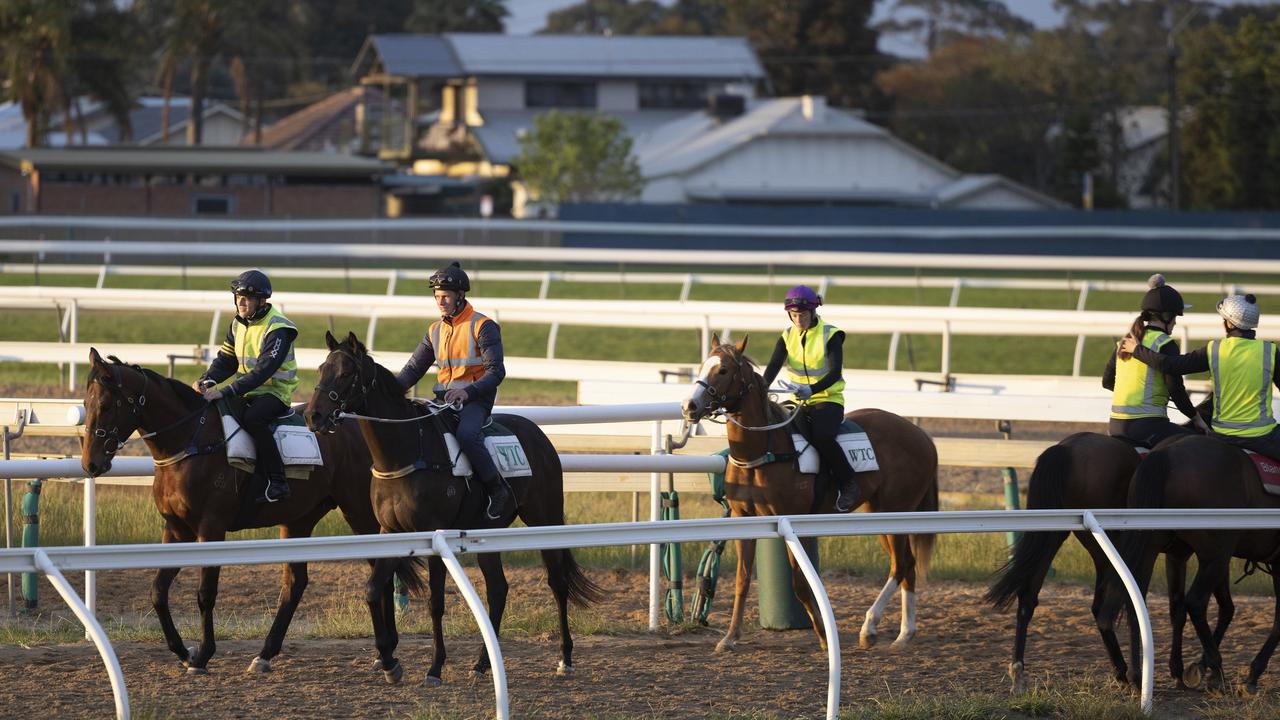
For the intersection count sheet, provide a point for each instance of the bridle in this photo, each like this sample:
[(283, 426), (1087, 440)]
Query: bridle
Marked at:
[(724, 405), (341, 399), (112, 443)]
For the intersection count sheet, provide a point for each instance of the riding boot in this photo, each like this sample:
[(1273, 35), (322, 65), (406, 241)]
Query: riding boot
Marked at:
[(850, 495), (501, 500), (277, 489)]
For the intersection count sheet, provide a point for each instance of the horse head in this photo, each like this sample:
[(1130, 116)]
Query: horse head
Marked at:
[(115, 395), (347, 376), (723, 380)]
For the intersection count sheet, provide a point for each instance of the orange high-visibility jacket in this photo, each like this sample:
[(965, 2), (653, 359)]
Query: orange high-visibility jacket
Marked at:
[(457, 349)]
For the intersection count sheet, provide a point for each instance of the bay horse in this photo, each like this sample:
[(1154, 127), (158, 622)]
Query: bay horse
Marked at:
[(1193, 473), (1086, 470), (202, 498), (906, 481), (414, 489)]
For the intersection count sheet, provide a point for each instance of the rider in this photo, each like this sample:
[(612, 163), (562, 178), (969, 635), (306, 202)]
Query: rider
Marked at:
[(467, 346), (258, 351), (813, 351), (1140, 395), (1243, 370)]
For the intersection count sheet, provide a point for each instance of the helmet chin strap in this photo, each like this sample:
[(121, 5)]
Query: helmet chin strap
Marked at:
[(462, 304)]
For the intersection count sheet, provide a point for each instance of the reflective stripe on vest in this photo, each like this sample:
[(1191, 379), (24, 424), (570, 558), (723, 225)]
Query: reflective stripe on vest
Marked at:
[(1241, 369), (1140, 391), (807, 361), (248, 347), (457, 349)]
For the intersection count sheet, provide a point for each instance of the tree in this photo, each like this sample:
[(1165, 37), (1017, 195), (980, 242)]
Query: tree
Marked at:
[(615, 17), (1231, 82), (578, 157), (442, 16), (938, 22), (37, 43)]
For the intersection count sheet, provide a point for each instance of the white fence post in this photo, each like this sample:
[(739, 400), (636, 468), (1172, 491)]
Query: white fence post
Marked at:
[(90, 539), (1139, 606), (73, 337), (440, 543), (824, 607), (655, 514), (1080, 306)]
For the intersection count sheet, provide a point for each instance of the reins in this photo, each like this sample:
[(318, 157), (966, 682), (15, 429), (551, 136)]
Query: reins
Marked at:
[(721, 400), (138, 405)]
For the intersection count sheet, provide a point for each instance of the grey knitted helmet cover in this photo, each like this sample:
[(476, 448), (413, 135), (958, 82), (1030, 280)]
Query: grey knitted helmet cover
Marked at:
[(1238, 311)]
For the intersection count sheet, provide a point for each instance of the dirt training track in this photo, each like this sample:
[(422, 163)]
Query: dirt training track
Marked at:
[(962, 647)]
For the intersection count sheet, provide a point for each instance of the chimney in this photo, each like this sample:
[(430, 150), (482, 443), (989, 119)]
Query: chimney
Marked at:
[(813, 107)]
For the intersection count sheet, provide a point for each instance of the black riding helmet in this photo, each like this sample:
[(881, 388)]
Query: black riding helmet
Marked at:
[(252, 283), (450, 278), (1162, 298)]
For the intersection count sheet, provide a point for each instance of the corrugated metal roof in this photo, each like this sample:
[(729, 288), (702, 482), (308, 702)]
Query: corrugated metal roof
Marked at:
[(635, 56), (411, 55), (192, 160)]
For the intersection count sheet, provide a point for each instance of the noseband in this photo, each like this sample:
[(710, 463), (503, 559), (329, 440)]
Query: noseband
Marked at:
[(722, 402), (111, 438)]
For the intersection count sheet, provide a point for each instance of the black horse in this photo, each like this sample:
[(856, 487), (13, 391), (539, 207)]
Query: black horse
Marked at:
[(414, 489)]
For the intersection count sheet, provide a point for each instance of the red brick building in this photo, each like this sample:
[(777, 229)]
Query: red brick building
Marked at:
[(189, 182)]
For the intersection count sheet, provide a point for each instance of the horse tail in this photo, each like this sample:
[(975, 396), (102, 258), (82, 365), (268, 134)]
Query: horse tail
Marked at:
[(581, 590), (410, 571), (1033, 549), (922, 544)]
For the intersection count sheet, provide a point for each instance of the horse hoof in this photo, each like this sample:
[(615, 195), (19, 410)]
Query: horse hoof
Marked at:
[(259, 666), (724, 646), (867, 641), (1249, 688), (394, 675), (191, 655), (1192, 676), (376, 665), (563, 670), (478, 673), (902, 641), (197, 671), (432, 681), (1017, 676)]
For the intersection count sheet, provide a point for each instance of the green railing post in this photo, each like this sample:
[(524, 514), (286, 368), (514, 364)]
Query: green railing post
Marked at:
[(1012, 498), (31, 539)]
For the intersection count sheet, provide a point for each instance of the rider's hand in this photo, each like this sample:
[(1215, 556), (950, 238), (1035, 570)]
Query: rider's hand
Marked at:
[(1128, 344), (803, 392), (1200, 424), (197, 386), (212, 394), (455, 395)]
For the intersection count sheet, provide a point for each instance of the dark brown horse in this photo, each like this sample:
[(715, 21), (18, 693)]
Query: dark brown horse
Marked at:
[(1086, 470), (414, 489), (906, 481), (202, 498), (1201, 472)]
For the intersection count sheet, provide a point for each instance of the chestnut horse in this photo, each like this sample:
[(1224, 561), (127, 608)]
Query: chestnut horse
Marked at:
[(1086, 470), (906, 481), (1193, 473), (415, 489), (202, 498)]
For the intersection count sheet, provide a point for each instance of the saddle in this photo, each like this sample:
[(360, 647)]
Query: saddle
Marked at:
[(1268, 472), (503, 446), (298, 446), (852, 439)]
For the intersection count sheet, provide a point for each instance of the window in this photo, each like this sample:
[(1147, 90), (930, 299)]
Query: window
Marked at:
[(211, 204), (556, 94), (15, 202), (673, 94)]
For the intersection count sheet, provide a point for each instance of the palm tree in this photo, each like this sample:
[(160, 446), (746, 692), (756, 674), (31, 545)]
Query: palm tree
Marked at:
[(37, 40)]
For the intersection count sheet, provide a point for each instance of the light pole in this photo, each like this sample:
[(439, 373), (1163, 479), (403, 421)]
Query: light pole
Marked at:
[(1175, 180)]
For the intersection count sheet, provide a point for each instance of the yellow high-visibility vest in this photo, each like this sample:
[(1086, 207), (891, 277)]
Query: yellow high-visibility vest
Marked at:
[(807, 360), (249, 339), (1140, 390), (1241, 369)]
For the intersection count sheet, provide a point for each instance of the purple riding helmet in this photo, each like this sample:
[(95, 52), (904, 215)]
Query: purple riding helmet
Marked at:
[(802, 297)]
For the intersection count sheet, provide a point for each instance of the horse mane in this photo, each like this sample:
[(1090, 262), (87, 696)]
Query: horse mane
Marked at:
[(773, 411), (184, 392)]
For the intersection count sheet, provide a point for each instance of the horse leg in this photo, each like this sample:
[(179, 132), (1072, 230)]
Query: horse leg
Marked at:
[(804, 593), (742, 583), (435, 580), (1102, 574), (495, 590), (867, 636), (905, 560), (1259, 664), (1175, 569), (1028, 601), (379, 598), (160, 603), (293, 582), (1212, 572), (206, 597), (556, 579)]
